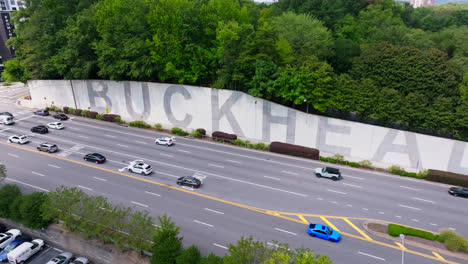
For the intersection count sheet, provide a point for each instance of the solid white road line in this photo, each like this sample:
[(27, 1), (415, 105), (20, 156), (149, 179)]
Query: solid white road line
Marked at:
[(285, 231), (349, 205), (167, 155), (419, 199), (354, 177), (451, 228), (53, 166), (410, 207), (110, 136), (13, 155), (320, 199), (100, 179), (86, 188), (271, 178), (214, 244), (155, 194), (398, 216), (211, 210), (214, 165), (196, 221), (27, 184), (352, 185), (84, 137), (125, 146), (36, 173), (415, 220), (185, 151), (335, 202), (432, 224), (24, 118), (336, 191), (381, 213), (372, 256), (365, 209), (58, 250), (234, 161), (288, 172), (140, 204), (409, 188), (141, 142)]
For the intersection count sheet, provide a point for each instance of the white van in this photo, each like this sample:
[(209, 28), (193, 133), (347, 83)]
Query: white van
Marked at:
[(24, 251), (6, 120)]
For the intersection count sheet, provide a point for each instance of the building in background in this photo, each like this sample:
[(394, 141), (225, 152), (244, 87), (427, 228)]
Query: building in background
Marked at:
[(6, 29), (419, 3), (11, 5)]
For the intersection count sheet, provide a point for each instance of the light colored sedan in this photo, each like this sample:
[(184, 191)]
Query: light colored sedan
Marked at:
[(80, 260), (63, 258), (55, 125), (18, 139), (166, 141), (139, 167)]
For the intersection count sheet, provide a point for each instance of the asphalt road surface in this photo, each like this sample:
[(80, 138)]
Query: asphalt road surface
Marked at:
[(244, 192)]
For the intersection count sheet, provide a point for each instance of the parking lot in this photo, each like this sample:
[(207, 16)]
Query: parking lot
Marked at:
[(46, 254)]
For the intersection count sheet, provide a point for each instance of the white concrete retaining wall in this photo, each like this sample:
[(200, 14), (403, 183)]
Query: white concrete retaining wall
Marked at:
[(252, 118)]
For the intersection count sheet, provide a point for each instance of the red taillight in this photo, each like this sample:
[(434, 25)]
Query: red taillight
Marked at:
[(196, 184)]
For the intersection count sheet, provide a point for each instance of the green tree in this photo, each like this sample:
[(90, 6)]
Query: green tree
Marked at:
[(190, 255), (211, 259), (3, 172), (167, 243), (305, 256), (30, 210), (9, 193), (247, 251), (15, 213), (14, 71)]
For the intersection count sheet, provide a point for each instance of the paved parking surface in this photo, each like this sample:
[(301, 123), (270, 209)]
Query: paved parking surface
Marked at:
[(46, 254)]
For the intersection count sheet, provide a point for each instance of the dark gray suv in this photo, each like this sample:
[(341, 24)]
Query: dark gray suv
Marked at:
[(47, 147)]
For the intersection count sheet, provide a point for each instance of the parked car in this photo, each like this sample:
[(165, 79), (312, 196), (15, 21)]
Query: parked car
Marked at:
[(14, 244), (80, 260), (328, 172), (458, 191), (63, 258), (166, 141), (7, 114), (7, 237), (324, 232), (95, 157), (189, 181), (56, 125), (25, 251), (138, 166), (6, 120), (47, 147), (40, 129), (61, 117), (22, 139), (41, 112)]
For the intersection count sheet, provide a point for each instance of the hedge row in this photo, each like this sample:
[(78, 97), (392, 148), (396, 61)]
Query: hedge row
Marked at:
[(92, 114), (179, 131), (448, 177), (140, 124), (395, 230), (223, 136), (294, 150)]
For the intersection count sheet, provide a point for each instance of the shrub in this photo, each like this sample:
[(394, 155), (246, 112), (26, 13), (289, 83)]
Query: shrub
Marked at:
[(99, 116), (78, 112), (109, 117), (71, 111), (223, 136), (8, 193), (201, 131), (65, 109), (395, 230), (189, 255), (211, 259), (92, 114), (353, 164), (30, 210), (196, 134), (453, 241), (447, 177), (179, 131), (158, 127), (15, 214), (261, 146), (238, 142), (422, 174), (294, 150), (396, 169), (339, 158), (366, 164), (140, 124), (84, 113), (167, 245), (119, 120)]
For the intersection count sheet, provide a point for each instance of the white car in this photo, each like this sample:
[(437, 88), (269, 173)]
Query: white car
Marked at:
[(138, 166), (55, 125), (22, 139), (80, 260), (167, 141), (24, 251), (7, 237)]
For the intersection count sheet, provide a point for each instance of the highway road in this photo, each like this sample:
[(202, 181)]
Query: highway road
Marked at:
[(244, 192)]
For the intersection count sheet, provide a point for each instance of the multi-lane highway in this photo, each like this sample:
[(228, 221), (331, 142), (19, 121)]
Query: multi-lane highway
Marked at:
[(244, 192)]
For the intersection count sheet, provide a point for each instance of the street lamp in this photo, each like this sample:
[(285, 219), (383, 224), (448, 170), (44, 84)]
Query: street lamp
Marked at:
[(402, 237), (307, 105)]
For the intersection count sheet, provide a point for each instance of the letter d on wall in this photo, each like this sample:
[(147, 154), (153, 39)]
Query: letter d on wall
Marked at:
[(170, 91)]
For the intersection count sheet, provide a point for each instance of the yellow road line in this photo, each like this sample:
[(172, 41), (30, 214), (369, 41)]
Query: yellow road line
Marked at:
[(400, 245), (273, 213), (329, 223), (303, 219), (438, 256), (357, 229)]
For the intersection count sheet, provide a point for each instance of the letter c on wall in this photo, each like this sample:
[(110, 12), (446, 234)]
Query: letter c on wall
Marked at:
[(170, 91)]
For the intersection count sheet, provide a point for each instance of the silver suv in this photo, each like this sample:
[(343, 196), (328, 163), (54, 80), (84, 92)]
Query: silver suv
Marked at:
[(328, 172)]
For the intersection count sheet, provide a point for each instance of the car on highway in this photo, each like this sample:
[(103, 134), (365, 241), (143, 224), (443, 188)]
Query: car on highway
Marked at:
[(61, 117), (56, 125), (41, 112), (7, 237), (189, 181), (19, 139), (166, 141), (6, 114), (328, 172), (47, 147), (40, 129), (63, 258), (15, 243), (458, 191), (138, 166), (6, 120), (80, 260), (324, 232), (95, 157)]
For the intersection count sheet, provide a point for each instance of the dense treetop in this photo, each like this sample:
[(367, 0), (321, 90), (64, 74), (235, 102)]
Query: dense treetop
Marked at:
[(374, 61)]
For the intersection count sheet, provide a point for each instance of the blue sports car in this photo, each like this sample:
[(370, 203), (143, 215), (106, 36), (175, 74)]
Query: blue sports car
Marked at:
[(13, 244), (324, 232)]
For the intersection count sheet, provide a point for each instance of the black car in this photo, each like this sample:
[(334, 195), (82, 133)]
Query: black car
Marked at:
[(41, 112), (189, 181), (6, 113), (61, 117), (40, 129), (458, 191), (95, 157), (47, 147)]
